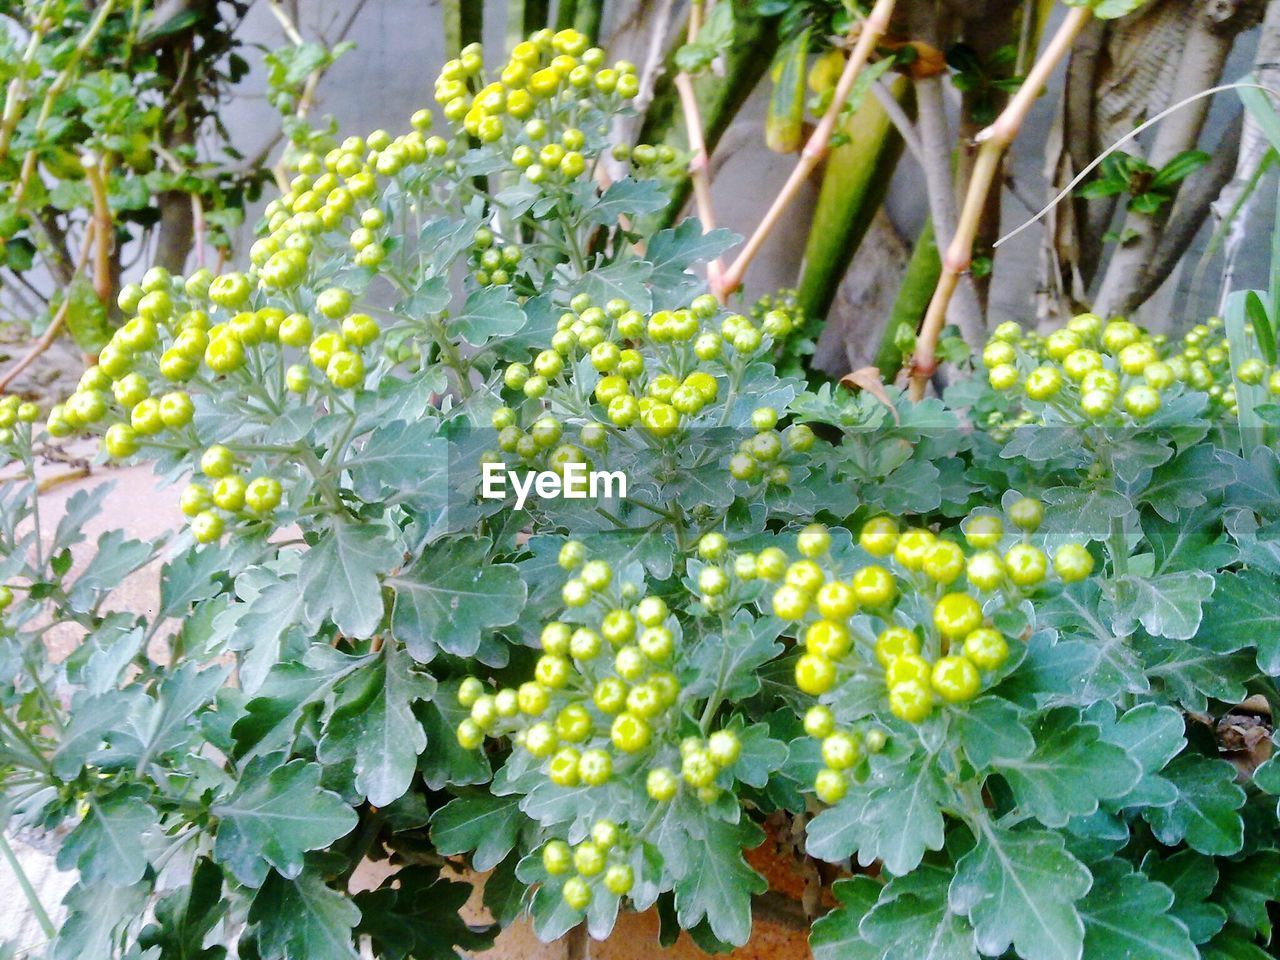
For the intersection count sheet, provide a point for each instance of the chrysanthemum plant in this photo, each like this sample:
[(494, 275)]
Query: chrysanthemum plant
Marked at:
[(982, 651)]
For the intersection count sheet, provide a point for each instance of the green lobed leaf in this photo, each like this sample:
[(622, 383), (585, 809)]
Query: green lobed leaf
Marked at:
[(1071, 769), (415, 914), (1152, 735), (1243, 613), (625, 280), (94, 719), (625, 197), (486, 824), (186, 917), (448, 762), (450, 595), (760, 755), (914, 918), (1167, 605), (95, 912), (1206, 812), (114, 559), (1075, 613), (303, 919), (339, 581), (992, 730), (1185, 482), (1019, 888), (275, 815), (895, 816), (399, 458), (1190, 674), (1083, 513), (727, 661), (489, 312), (721, 887), (291, 688), (674, 250), (1192, 877), (1193, 541), (1247, 886), (1234, 943), (836, 935), (106, 846), (1127, 915), (270, 605), (373, 723), (163, 725)]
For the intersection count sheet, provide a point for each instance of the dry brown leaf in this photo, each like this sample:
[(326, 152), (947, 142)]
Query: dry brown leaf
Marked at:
[(870, 380), (929, 60)]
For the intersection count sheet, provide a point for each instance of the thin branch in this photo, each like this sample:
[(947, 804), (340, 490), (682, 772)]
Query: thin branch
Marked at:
[(17, 92), (994, 141), (935, 134), (698, 160), (286, 22), (1192, 209), (55, 325), (307, 100), (1136, 131), (31, 288), (60, 83), (868, 33), (898, 117), (625, 125), (1204, 56), (197, 218), (95, 174)]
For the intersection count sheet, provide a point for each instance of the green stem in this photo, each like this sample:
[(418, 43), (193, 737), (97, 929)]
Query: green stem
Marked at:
[(463, 24), (1118, 547), (335, 455), (566, 14), (536, 15), (28, 891), (588, 17), (317, 471), (25, 739), (853, 188), (720, 96), (654, 508), (42, 692), (29, 468), (717, 695), (453, 359), (918, 283)]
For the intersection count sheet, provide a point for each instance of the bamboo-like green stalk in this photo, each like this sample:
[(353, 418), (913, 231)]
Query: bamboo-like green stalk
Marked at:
[(995, 140), (587, 19), (517, 27), (868, 33), (853, 187), (914, 292), (566, 14), (536, 15), (720, 96), (463, 24)]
